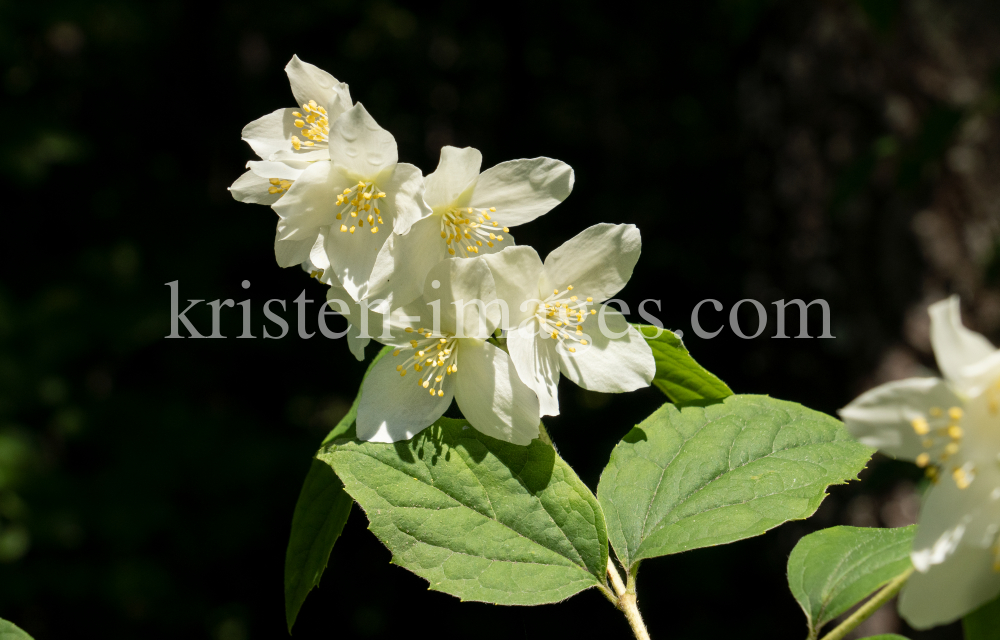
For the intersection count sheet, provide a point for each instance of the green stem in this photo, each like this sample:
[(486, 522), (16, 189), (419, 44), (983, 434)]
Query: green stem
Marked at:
[(870, 607), (627, 601)]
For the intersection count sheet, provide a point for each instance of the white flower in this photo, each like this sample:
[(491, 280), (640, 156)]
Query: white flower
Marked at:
[(950, 427), (275, 137), (473, 212), (266, 181), (442, 355), (301, 134), (549, 304), (354, 203)]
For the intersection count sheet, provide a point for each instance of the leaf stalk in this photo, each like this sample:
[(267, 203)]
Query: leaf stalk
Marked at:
[(626, 601), (870, 607)]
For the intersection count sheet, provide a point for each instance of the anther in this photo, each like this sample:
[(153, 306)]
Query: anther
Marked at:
[(920, 426)]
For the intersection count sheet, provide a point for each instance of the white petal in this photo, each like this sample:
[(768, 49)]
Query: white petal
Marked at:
[(955, 347), (465, 280), (308, 204), (516, 271), (309, 82), (360, 145), (289, 253), (352, 256), (456, 170), (356, 343), (395, 407), (404, 203), (537, 365), (491, 395), (952, 516), (367, 321), (252, 188), (973, 379), (405, 260), (608, 364), (597, 262), (522, 190), (303, 154), (319, 260), (281, 170), (883, 417), (358, 334), (272, 134), (464, 283), (950, 590)]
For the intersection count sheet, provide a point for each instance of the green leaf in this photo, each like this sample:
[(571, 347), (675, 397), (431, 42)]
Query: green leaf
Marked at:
[(886, 636), (320, 515), (832, 570), (478, 518), (699, 476), (319, 518), (10, 631), (677, 373), (983, 623)]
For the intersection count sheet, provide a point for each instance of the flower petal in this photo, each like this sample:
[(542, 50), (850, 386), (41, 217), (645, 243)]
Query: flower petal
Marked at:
[(609, 364), (360, 145), (394, 408), (271, 136), (289, 253), (456, 170), (361, 324), (955, 347), (308, 204), (883, 417), (516, 271), (950, 590), (357, 343), (597, 262), (522, 190), (537, 365), (465, 283), (491, 395), (252, 188), (283, 170), (352, 257), (404, 204), (952, 516), (405, 260), (309, 82)]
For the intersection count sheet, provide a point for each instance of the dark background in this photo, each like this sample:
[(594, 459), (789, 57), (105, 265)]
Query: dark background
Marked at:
[(766, 149)]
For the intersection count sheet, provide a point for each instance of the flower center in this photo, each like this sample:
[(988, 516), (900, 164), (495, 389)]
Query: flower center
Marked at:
[(942, 438), (315, 126), (433, 357), (358, 204), (561, 315), (279, 186), (469, 228)]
